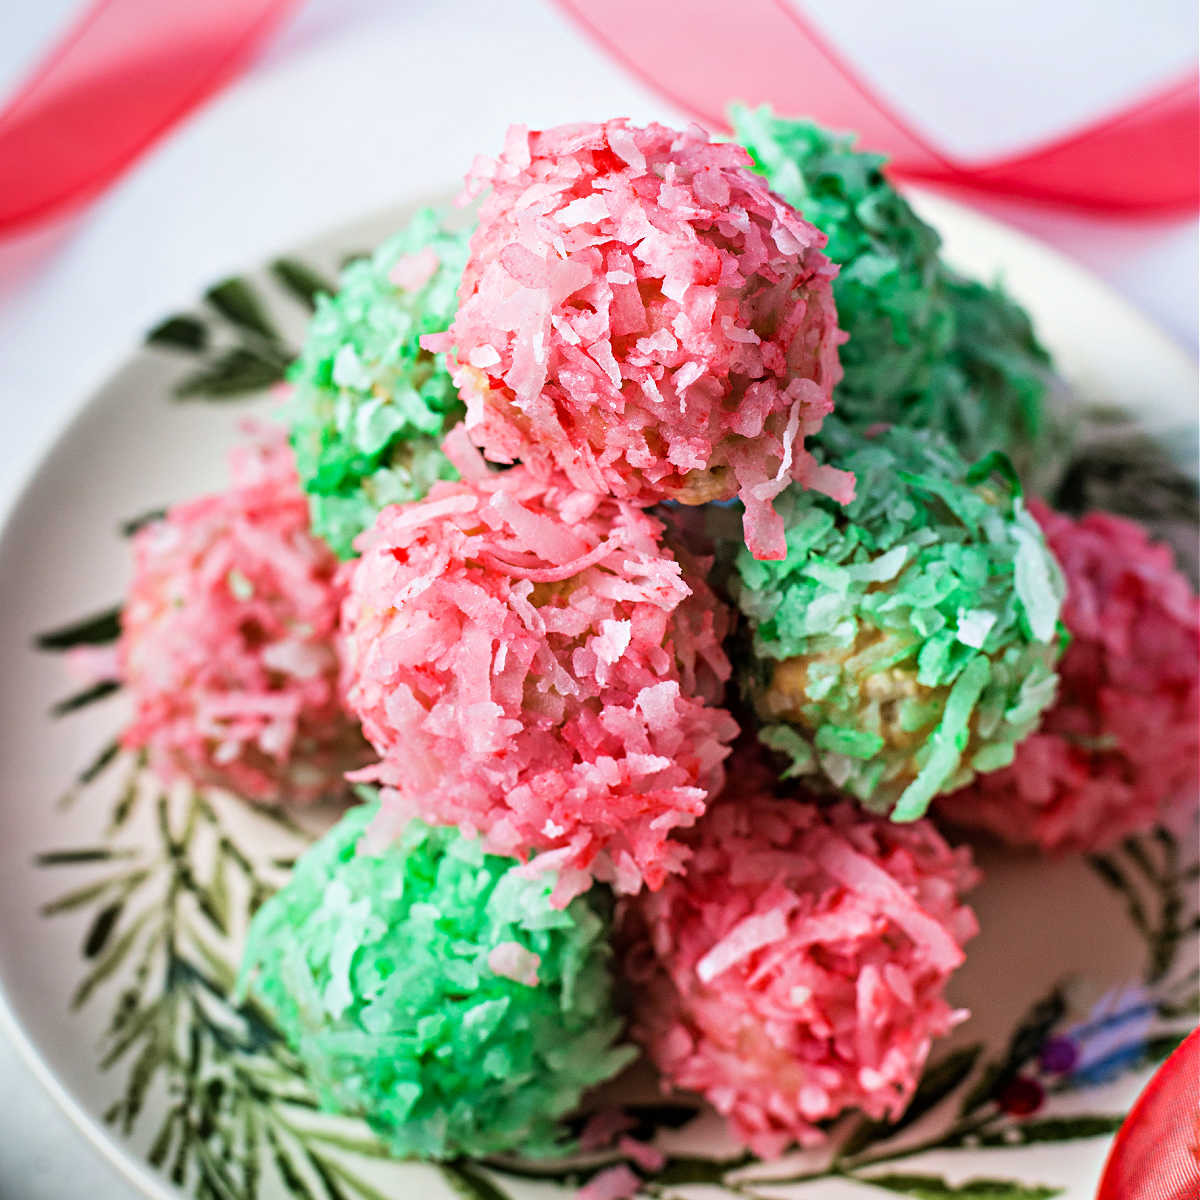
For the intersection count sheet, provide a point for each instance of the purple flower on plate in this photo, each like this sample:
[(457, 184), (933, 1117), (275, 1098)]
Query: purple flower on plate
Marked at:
[(1058, 1055)]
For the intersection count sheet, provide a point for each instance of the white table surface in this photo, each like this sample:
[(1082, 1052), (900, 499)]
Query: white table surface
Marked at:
[(349, 108)]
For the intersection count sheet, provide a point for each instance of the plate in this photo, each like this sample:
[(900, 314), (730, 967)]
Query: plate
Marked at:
[(123, 905)]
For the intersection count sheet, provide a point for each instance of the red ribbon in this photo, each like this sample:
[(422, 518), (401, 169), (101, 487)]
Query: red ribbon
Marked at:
[(701, 55), (119, 80), (132, 68)]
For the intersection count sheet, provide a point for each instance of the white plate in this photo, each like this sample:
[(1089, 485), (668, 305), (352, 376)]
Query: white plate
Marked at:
[(1048, 929)]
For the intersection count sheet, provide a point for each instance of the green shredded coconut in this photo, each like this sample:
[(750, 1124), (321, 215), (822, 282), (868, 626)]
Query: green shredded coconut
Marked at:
[(404, 979), (928, 348), (909, 638), (370, 407)]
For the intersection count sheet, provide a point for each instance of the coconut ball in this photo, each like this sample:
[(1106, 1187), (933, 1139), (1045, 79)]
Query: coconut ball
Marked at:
[(435, 991), (1120, 749), (534, 663), (640, 313), (370, 406), (908, 640), (798, 969), (927, 347), (228, 644)]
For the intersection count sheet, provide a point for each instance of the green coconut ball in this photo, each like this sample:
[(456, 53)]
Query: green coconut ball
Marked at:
[(435, 991), (908, 640), (928, 347), (370, 406)]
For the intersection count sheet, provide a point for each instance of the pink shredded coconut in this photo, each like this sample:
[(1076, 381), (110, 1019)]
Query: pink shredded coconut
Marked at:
[(515, 962), (228, 643), (1120, 749), (649, 1158), (641, 313), (798, 968), (533, 663), (602, 1128), (613, 1183)]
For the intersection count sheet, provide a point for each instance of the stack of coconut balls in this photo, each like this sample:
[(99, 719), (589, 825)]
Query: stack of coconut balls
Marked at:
[(652, 559)]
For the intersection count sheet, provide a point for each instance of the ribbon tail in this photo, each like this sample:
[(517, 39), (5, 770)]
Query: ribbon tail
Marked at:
[(1139, 161), (127, 72)]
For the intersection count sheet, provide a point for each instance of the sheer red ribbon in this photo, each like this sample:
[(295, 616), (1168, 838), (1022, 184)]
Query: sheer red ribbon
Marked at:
[(119, 80), (1144, 160), (132, 68)]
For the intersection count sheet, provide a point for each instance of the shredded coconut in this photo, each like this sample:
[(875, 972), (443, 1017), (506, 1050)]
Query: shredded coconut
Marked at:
[(639, 312), (1121, 747), (798, 968), (228, 640), (535, 664)]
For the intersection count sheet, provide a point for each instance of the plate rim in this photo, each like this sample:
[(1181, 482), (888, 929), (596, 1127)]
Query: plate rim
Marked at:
[(118, 1152)]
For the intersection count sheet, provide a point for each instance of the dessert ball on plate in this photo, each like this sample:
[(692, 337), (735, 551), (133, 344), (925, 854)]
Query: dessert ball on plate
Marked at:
[(433, 990), (908, 640), (927, 347), (641, 313), (534, 663), (228, 642), (370, 406), (1120, 749), (798, 968)]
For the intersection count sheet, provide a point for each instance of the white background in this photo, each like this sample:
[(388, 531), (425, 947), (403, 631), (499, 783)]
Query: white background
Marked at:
[(357, 102)]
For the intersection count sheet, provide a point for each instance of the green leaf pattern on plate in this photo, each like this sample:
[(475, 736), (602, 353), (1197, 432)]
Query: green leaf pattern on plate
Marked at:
[(159, 948), (163, 916)]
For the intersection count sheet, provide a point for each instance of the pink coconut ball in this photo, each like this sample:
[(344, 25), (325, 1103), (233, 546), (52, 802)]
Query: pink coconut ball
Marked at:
[(640, 312), (1120, 750), (533, 663), (228, 640), (798, 968)]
